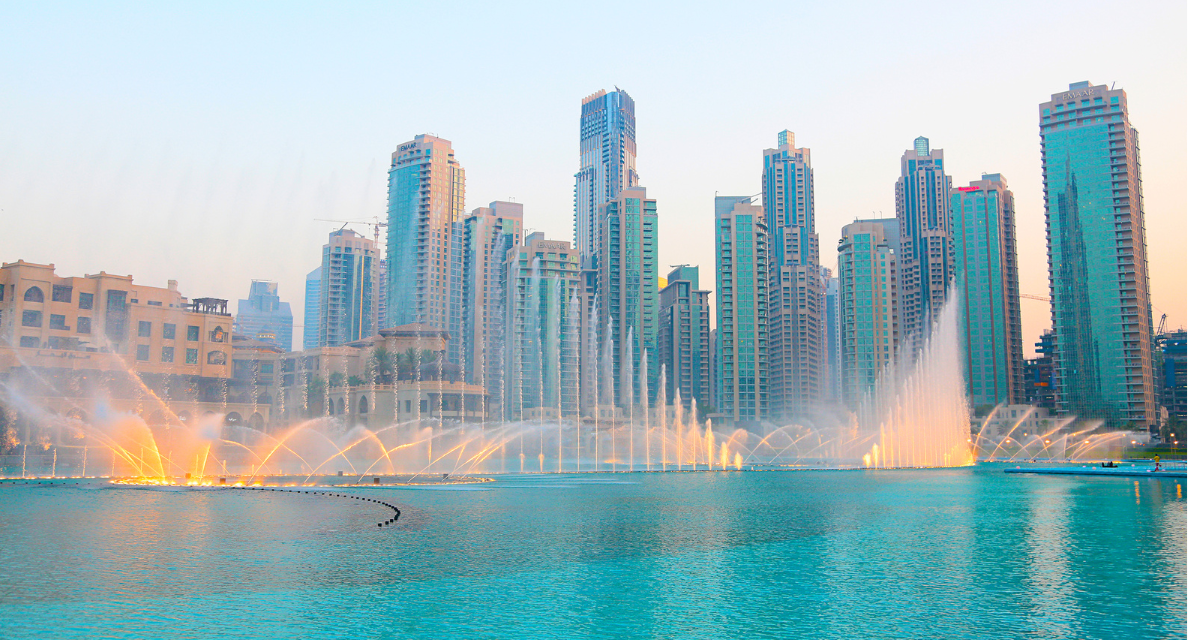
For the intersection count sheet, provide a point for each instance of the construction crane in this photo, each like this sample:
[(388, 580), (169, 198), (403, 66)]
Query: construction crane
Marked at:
[(1033, 297), (375, 224), (1162, 325)]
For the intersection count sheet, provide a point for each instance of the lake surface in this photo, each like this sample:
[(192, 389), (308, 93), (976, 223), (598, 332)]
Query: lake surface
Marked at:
[(961, 553)]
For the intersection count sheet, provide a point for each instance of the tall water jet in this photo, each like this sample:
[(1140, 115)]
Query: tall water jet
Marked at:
[(918, 408)]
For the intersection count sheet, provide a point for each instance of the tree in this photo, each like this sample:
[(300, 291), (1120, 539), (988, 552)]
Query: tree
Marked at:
[(385, 365), (356, 381), (337, 379)]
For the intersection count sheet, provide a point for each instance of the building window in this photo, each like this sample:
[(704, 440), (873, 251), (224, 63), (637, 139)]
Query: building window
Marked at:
[(217, 335), (408, 406), (60, 293), (29, 342), (267, 367), (31, 319), (192, 356), (168, 354), (143, 329), (143, 353), (168, 331), (216, 357), (193, 334), (85, 301), (58, 321), (34, 294), (2, 293), (83, 325)]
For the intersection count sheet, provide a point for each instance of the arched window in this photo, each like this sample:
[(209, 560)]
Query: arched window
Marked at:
[(362, 405), (34, 294)]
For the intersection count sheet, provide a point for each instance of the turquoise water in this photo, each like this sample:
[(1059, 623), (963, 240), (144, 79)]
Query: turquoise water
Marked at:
[(845, 554)]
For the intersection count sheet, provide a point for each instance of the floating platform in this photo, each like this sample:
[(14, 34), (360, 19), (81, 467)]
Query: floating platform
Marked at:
[(1118, 472)]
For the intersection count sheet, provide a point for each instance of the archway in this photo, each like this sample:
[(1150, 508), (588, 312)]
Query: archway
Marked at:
[(34, 294), (362, 405), (256, 421), (341, 406), (233, 418)]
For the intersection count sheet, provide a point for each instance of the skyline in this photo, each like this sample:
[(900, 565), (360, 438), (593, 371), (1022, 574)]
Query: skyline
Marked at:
[(243, 136)]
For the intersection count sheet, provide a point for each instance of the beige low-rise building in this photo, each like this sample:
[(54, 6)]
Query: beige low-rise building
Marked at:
[(71, 344)]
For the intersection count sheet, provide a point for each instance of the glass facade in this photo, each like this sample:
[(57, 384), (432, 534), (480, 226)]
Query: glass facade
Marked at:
[(796, 298), (985, 272), (1097, 248), (922, 207), (628, 291), (607, 164), (426, 191), (741, 372), (869, 318)]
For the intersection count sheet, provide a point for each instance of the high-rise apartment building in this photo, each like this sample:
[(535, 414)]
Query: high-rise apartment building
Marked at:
[(607, 165), (426, 191), (741, 371), (683, 328), (627, 291), (1095, 233), (312, 309), (489, 233), (869, 297), (985, 271), (831, 384), (796, 299), (349, 285), (1040, 388), (542, 338), (923, 209), (263, 317)]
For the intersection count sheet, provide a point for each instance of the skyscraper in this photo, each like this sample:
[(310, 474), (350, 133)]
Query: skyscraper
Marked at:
[(349, 284), (426, 187), (1095, 234), (985, 272), (263, 317), (312, 309), (741, 372), (796, 299), (870, 331), (831, 384), (542, 338), (607, 164), (923, 209), (627, 284), (683, 348), (488, 235)]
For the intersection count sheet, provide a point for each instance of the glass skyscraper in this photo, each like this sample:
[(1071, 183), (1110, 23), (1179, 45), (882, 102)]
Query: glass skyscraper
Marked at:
[(985, 272), (312, 309), (349, 286), (542, 341), (607, 164), (263, 317), (683, 334), (1095, 234), (923, 209), (741, 372), (488, 235), (426, 195), (796, 297), (627, 284), (869, 298)]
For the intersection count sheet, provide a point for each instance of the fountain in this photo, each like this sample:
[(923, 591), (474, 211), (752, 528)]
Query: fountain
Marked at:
[(916, 416)]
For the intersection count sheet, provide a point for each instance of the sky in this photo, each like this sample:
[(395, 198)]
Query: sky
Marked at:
[(200, 142)]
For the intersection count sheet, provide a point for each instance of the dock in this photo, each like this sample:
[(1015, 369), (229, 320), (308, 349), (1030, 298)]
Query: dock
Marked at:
[(1129, 472)]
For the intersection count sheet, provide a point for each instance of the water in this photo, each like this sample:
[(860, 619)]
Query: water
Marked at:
[(958, 553)]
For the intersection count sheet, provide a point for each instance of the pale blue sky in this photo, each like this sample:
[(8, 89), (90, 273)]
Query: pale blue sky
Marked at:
[(198, 143)]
